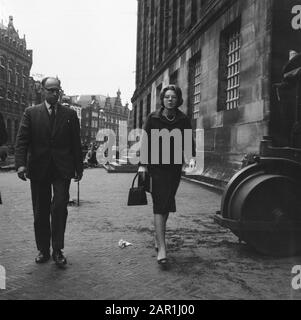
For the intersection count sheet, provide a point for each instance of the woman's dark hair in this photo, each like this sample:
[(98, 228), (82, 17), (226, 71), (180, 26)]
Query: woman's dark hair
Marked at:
[(177, 91)]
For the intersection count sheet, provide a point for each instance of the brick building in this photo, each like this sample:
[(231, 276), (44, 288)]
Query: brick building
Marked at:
[(15, 83), (225, 55), (100, 112), (67, 102)]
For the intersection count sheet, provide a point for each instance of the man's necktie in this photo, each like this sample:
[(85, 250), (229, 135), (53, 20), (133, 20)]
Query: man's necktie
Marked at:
[(52, 116)]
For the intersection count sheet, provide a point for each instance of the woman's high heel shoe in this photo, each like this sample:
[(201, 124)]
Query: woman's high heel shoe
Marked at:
[(163, 261)]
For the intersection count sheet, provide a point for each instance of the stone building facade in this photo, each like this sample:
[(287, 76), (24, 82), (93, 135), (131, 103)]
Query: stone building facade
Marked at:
[(15, 82), (225, 55)]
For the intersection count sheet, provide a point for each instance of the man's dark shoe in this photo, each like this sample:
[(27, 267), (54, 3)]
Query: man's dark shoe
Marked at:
[(42, 257), (59, 259)]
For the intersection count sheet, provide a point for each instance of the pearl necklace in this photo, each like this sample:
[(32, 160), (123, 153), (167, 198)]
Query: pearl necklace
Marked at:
[(172, 119)]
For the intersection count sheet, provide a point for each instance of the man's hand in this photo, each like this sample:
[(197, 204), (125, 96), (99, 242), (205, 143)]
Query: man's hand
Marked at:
[(192, 164), (142, 169), (78, 177), (22, 173)]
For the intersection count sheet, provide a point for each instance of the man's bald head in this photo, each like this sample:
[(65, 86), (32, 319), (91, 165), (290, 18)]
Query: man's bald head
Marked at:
[(51, 83), (52, 89)]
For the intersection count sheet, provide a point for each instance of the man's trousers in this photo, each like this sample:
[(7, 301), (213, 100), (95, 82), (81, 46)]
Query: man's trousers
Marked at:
[(50, 198)]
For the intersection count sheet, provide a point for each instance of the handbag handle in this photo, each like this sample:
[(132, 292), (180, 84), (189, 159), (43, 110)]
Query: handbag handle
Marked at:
[(134, 179)]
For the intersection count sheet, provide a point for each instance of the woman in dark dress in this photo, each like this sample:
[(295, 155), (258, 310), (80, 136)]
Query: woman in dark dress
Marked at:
[(165, 177)]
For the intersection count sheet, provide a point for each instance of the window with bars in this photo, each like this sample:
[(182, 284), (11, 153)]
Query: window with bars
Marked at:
[(229, 75), (196, 90), (233, 67)]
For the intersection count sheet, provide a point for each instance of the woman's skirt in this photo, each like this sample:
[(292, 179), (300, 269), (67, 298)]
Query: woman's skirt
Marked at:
[(165, 183)]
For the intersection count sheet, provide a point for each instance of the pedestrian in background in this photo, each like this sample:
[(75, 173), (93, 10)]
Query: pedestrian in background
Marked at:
[(90, 159), (48, 152), (165, 178)]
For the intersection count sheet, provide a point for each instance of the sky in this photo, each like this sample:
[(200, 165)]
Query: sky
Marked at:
[(89, 44)]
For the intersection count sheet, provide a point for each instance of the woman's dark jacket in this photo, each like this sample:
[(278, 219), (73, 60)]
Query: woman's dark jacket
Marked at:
[(155, 123)]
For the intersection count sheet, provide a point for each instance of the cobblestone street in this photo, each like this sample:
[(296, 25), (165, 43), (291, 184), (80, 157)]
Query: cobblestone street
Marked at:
[(207, 262)]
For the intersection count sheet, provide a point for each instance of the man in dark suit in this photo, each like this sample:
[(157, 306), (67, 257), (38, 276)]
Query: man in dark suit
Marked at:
[(48, 152)]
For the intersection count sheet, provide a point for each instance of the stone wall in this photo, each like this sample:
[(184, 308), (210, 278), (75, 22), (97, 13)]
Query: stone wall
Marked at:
[(226, 136)]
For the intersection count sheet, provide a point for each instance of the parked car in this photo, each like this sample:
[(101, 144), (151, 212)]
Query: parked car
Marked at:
[(3, 153)]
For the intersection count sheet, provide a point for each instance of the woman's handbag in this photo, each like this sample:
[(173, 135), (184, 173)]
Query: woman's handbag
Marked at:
[(137, 195)]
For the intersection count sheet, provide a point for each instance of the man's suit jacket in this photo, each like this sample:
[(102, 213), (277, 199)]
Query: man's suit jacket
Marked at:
[(36, 145)]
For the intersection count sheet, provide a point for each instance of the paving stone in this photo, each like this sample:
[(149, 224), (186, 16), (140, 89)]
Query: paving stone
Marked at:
[(207, 262)]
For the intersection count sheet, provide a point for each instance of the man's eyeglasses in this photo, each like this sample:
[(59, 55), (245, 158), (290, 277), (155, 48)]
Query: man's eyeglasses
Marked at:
[(53, 90)]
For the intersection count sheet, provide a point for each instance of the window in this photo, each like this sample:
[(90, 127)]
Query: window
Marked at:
[(161, 29), (233, 70), (17, 74), (173, 78), (16, 129), (166, 24), (135, 116), (2, 68), (174, 22), (158, 101), (2, 62), (229, 75), (9, 73), (2, 93), (9, 95), (196, 87), (193, 16), (148, 104), (140, 115), (16, 98), (24, 77), (182, 15)]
